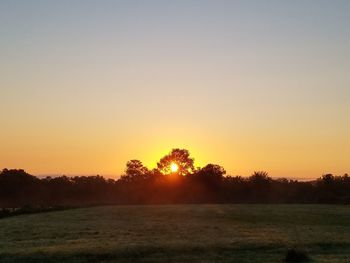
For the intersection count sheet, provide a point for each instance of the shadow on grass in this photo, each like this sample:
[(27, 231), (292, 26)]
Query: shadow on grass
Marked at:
[(156, 254), (242, 254), (294, 255)]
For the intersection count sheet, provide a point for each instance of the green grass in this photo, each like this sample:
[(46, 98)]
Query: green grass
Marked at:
[(178, 233)]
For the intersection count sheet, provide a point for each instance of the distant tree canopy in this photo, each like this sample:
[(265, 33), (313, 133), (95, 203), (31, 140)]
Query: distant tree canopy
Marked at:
[(140, 185), (213, 171)]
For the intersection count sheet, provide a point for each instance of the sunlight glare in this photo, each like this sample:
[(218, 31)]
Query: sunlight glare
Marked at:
[(174, 167)]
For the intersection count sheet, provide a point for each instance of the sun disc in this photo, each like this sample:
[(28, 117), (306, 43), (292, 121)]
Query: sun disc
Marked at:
[(174, 167)]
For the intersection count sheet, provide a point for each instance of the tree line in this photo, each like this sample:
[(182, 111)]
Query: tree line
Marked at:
[(186, 185)]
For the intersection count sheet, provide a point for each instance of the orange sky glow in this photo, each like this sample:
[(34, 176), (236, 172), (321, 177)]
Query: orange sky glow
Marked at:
[(86, 87)]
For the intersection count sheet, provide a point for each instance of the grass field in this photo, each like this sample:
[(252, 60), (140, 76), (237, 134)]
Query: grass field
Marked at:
[(178, 233)]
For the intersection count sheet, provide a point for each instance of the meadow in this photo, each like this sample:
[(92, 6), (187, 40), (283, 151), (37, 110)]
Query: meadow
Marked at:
[(178, 233)]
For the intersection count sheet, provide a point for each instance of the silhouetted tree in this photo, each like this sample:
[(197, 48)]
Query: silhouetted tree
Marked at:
[(181, 157), (208, 182), (260, 183), (140, 185), (135, 170), (212, 172), (18, 188)]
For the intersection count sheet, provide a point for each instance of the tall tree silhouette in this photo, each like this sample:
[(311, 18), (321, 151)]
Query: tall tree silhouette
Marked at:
[(135, 170), (181, 157)]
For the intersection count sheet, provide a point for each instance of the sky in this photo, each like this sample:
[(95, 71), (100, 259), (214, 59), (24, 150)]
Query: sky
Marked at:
[(86, 86)]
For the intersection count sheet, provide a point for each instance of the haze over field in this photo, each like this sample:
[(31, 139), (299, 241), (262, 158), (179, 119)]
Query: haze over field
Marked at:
[(251, 85)]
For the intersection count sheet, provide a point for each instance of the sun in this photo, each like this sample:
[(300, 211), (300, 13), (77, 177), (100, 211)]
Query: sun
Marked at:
[(174, 167)]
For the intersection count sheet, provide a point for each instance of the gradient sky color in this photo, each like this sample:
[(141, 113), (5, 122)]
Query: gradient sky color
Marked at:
[(250, 85)]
